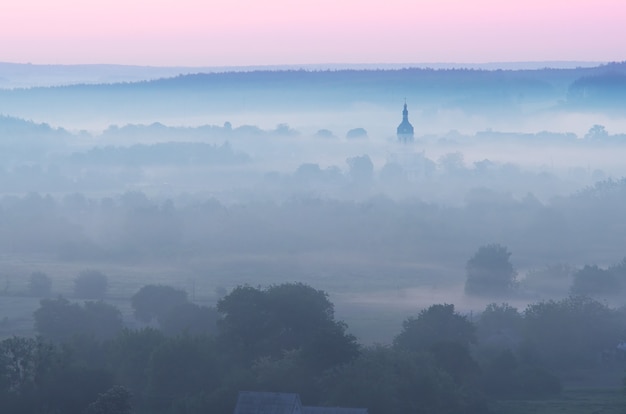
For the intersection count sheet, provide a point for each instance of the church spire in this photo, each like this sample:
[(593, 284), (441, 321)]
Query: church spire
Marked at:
[(405, 129)]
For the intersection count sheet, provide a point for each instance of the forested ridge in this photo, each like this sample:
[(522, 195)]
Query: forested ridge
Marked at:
[(465, 89)]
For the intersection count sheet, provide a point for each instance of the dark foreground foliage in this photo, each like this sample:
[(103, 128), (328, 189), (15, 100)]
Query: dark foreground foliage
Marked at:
[(284, 338)]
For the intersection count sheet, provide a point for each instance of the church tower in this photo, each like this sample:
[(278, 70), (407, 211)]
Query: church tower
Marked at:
[(405, 129)]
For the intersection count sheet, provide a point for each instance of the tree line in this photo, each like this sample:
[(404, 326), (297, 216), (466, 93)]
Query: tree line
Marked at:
[(584, 226), (189, 358)]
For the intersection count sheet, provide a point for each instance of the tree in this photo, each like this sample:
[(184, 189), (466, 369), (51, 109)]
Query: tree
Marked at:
[(181, 366), (446, 336), (308, 173), (39, 285), (505, 377), (393, 381), (593, 281), (356, 133), (90, 284), (104, 321), (597, 132), (552, 280), (501, 319), (23, 362), (60, 320), (434, 325), (37, 377), (393, 173), (361, 169), (571, 332), (267, 322), (285, 131), (189, 318), (155, 301), (129, 353), (618, 271), (324, 133), (455, 359), (245, 321), (490, 272), (452, 163)]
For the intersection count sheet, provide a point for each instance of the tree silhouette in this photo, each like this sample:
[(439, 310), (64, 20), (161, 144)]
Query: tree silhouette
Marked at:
[(594, 281), (290, 316), (490, 272), (435, 325)]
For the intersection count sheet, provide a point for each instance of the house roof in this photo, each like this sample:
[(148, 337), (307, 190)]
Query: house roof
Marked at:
[(333, 410), (250, 402)]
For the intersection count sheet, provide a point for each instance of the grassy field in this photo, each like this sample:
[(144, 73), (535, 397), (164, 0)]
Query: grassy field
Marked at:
[(372, 295), (572, 401)]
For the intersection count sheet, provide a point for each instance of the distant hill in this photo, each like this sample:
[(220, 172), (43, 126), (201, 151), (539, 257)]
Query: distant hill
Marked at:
[(21, 75), (27, 140), (468, 90), (26, 75), (605, 90)]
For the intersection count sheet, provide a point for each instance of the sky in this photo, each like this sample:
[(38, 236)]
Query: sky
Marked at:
[(291, 32)]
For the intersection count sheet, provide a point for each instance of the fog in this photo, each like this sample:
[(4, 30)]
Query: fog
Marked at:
[(251, 182)]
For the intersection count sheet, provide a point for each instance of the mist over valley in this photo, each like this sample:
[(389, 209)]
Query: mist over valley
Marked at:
[(194, 211)]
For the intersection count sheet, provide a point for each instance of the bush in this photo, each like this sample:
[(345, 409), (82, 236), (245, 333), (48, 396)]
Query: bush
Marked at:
[(90, 284)]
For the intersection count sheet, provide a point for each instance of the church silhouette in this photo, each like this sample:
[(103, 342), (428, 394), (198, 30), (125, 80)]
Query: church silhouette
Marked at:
[(405, 129)]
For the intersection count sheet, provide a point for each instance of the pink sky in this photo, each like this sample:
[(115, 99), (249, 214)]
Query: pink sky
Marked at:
[(268, 32)]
